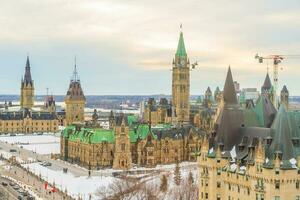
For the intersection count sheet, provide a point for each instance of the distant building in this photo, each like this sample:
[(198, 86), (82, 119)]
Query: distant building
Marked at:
[(249, 94), (28, 119)]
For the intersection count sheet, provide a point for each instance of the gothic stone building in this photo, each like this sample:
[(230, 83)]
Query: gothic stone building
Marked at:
[(129, 143), (27, 119), (253, 152)]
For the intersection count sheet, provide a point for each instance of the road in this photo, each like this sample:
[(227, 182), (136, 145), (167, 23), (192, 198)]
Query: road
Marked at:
[(7, 191), (29, 182)]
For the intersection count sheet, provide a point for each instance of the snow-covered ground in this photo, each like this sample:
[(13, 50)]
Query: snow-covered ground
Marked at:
[(84, 186), (41, 144), (76, 186)]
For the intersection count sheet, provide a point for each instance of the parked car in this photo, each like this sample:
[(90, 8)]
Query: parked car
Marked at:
[(46, 164), (12, 150), (4, 183), (12, 183)]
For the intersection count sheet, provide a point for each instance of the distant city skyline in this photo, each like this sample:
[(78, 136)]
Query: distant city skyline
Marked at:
[(127, 47)]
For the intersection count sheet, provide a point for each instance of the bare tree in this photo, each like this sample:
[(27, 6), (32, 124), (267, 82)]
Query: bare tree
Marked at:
[(177, 174), (190, 179), (164, 183)]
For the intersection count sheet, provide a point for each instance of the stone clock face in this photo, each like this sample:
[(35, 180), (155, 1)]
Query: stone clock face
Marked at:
[(182, 62)]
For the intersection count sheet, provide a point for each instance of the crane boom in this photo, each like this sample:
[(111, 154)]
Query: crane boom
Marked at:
[(277, 59)]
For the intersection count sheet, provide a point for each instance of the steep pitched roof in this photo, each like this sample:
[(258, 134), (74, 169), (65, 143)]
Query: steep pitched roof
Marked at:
[(282, 136), (229, 94), (284, 89), (267, 83), (27, 76), (181, 52), (265, 111)]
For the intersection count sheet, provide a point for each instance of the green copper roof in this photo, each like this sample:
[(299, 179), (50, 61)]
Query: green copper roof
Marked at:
[(282, 136), (132, 119), (250, 118), (140, 132), (181, 52), (89, 135)]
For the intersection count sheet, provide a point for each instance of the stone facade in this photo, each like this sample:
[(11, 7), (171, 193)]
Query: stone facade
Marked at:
[(221, 179)]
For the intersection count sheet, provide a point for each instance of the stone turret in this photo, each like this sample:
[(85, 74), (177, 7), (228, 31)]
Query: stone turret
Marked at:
[(267, 89), (217, 95), (284, 97), (122, 152), (75, 100)]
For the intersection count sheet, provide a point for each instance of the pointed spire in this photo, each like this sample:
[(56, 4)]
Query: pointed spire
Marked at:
[(27, 76), (267, 83), (75, 77), (229, 94), (181, 52), (284, 89)]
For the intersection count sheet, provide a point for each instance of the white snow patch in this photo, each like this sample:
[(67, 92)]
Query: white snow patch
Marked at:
[(233, 153), (76, 186)]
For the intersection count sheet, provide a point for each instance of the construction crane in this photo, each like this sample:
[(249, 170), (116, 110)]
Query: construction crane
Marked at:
[(277, 59)]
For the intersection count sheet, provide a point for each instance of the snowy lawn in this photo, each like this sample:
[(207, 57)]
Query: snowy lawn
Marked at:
[(41, 144), (80, 185)]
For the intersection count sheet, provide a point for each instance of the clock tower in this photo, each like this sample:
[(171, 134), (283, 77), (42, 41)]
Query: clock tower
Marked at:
[(75, 100), (181, 82)]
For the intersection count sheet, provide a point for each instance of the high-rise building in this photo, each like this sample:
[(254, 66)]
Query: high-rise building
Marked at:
[(75, 100), (27, 88), (181, 82)]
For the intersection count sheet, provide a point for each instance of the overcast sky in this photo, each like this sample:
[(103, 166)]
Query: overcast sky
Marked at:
[(127, 46)]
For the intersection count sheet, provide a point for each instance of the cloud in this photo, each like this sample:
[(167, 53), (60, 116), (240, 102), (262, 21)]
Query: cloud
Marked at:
[(112, 38)]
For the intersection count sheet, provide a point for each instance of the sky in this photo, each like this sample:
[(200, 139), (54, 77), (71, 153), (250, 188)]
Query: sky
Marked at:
[(126, 47)]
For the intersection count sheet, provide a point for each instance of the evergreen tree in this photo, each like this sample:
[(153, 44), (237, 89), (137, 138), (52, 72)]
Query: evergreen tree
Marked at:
[(164, 183), (190, 178), (177, 175)]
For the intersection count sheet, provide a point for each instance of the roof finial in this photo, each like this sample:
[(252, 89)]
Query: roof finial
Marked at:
[(75, 77), (180, 27)]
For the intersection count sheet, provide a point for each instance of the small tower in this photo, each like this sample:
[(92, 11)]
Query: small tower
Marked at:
[(208, 98), (75, 100), (217, 95), (181, 82), (50, 104), (267, 89), (122, 153), (111, 120), (27, 88), (284, 97), (95, 118)]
